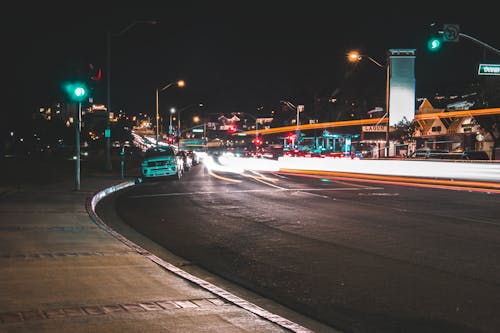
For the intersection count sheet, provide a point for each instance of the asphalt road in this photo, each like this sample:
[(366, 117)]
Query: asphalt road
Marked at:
[(360, 257)]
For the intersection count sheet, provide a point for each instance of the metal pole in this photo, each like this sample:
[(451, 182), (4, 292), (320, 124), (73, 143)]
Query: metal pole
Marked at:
[(77, 144), (122, 162), (170, 124), (387, 102), (481, 43), (108, 165), (157, 116), (179, 122)]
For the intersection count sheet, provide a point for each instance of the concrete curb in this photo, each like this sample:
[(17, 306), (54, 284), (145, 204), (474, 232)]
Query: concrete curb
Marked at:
[(92, 203)]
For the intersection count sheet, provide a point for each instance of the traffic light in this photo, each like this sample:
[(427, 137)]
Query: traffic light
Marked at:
[(290, 137), (449, 33), (76, 91), (257, 141), (434, 44)]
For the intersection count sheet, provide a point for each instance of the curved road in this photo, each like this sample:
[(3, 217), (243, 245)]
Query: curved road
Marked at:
[(360, 257)]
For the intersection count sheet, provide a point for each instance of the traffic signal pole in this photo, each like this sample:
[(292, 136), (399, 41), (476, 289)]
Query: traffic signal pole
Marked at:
[(481, 43), (78, 121)]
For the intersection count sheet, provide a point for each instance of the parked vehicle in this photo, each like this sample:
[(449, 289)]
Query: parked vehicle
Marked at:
[(434, 154), (475, 155), (161, 162), (444, 154)]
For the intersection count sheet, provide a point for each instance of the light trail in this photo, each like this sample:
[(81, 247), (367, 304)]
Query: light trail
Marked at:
[(373, 121), (473, 186)]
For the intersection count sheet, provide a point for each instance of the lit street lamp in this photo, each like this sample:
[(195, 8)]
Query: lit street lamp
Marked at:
[(354, 56), (179, 115), (180, 84), (170, 127), (107, 133)]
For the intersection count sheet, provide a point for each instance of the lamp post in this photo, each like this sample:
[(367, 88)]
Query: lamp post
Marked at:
[(354, 56), (107, 133), (180, 84), (170, 127), (179, 115)]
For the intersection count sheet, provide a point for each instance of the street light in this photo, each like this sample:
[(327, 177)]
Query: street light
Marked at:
[(180, 84), (107, 133), (179, 115), (170, 128), (354, 56)]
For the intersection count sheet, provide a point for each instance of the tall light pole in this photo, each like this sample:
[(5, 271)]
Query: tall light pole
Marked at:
[(354, 56), (107, 132), (170, 127), (179, 115), (180, 84)]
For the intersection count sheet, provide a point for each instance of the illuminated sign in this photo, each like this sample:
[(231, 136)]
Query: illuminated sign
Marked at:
[(489, 69), (374, 128)]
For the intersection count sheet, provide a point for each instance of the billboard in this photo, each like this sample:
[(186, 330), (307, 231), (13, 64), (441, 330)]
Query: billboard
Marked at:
[(401, 85)]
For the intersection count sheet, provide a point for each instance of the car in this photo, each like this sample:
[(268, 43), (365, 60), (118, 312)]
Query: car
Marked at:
[(161, 162), (475, 155), (434, 154), (186, 158)]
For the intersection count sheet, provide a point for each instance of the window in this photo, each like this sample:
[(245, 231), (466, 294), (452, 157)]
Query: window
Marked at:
[(436, 129)]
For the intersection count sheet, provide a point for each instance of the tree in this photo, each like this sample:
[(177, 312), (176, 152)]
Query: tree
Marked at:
[(488, 97), (404, 131)]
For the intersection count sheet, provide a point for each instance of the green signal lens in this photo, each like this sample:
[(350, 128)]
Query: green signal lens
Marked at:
[(434, 44), (76, 91), (79, 92)]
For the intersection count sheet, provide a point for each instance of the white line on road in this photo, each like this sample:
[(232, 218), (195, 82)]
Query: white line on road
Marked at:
[(252, 191)]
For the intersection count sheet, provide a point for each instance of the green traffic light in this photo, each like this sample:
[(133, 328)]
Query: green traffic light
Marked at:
[(434, 44), (76, 91), (79, 92)]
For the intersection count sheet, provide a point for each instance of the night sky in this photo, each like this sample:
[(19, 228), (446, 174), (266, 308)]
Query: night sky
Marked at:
[(234, 56)]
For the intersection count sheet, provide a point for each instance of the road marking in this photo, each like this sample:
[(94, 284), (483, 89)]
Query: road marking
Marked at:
[(381, 194), (279, 189), (211, 173), (264, 182), (279, 176)]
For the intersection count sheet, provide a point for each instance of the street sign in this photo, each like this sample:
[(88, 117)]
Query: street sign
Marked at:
[(489, 69), (374, 128)]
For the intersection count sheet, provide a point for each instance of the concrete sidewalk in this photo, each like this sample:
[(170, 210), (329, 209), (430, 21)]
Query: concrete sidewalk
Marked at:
[(62, 272)]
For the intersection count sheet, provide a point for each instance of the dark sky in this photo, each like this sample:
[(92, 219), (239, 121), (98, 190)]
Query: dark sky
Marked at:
[(234, 56)]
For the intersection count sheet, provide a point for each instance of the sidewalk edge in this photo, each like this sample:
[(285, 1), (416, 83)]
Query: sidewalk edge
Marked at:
[(91, 203)]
